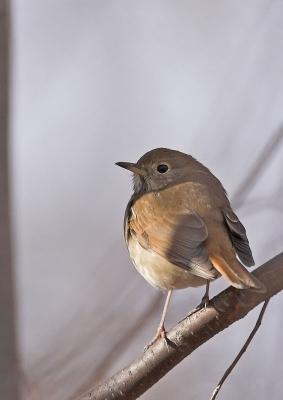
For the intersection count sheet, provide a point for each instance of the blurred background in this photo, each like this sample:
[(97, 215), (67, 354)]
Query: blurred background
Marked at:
[(100, 81)]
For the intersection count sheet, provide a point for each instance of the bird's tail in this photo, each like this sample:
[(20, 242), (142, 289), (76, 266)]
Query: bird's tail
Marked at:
[(236, 274)]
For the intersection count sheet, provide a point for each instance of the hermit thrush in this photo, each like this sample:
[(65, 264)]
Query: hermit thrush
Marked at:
[(180, 228)]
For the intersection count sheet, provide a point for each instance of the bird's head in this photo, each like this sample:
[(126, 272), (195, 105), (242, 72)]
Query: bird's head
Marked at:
[(158, 168)]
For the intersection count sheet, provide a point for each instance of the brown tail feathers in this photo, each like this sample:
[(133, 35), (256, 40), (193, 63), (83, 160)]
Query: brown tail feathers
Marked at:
[(236, 274)]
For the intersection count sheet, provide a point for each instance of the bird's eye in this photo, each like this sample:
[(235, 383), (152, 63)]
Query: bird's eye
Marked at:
[(162, 168)]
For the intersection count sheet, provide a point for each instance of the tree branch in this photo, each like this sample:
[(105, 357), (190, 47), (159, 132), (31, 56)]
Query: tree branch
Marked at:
[(224, 309)]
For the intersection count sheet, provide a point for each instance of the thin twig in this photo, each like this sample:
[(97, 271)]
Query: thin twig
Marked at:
[(241, 352)]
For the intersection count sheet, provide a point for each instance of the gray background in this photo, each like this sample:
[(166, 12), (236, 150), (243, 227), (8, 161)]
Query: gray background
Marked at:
[(95, 82)]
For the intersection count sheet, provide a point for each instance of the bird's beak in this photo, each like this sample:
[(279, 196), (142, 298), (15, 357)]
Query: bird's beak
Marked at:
[(131, 167)]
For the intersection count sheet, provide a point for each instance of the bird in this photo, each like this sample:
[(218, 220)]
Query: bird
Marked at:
[(180, 228)]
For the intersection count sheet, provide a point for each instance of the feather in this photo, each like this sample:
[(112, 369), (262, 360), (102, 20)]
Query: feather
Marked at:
[(238, 236)]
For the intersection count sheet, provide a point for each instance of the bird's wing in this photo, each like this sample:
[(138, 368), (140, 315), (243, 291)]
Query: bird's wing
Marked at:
[(238, 236), (177, 237), (127, 217)]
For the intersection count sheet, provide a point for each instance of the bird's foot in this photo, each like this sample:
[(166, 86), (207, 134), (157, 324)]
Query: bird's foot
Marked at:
[(160, 335), (203, 304)]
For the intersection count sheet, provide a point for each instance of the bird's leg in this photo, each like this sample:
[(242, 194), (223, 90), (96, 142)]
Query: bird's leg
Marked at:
[(204, 301), (161, 333)]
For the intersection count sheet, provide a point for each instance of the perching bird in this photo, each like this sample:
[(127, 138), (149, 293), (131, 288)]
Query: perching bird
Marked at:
[(180, 228)]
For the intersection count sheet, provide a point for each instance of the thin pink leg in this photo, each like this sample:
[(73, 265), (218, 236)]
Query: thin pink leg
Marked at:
[(161, 333)]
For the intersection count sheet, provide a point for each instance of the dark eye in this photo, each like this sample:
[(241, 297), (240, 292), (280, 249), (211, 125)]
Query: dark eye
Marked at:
[(162, 168)]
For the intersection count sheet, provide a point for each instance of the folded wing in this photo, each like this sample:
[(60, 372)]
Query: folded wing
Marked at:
[(177, 237)]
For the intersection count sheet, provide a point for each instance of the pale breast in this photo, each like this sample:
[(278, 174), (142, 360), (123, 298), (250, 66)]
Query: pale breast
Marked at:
[(158, 271)]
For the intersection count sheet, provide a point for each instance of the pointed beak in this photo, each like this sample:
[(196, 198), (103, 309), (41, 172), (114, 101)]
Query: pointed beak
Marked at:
[(131, 167)]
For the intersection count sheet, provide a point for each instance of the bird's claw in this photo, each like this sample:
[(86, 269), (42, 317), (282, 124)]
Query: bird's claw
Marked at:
[(203, 304), (160, 335)]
